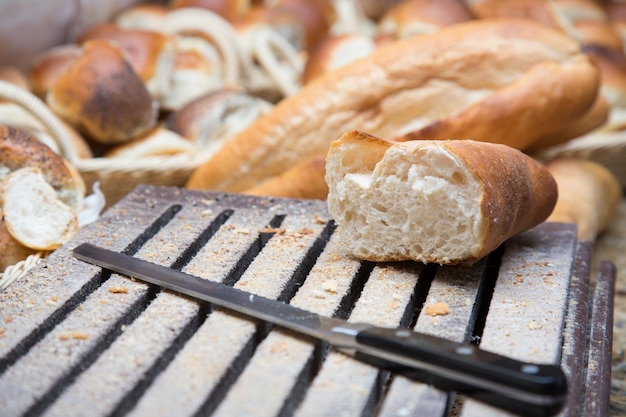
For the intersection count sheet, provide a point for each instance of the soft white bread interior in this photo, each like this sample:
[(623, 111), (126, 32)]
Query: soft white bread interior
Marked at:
[(589, 195), (503, 81), (443, 202), (33, 212)]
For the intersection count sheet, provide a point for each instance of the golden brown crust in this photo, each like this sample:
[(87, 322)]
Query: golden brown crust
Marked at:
[(596, 116), (101, 95), (49, 65), (482, 80), (142, 48), (305, 180), (521, 114), (519, 192), (589, 195), (19, 150)]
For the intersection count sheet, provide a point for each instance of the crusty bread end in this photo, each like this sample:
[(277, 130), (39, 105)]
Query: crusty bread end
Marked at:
[(443, 202)]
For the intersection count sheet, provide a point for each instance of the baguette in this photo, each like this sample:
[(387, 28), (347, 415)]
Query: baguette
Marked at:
[(478, 80), (305, 180), (444, 202), (589, 195)]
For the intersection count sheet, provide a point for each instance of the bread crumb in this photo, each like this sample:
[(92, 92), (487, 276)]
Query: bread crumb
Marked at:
[(74, 335), (320, 220), (8, 319), (118, 290), (533, 325), (330, 285), (438, 309), (272, 230)]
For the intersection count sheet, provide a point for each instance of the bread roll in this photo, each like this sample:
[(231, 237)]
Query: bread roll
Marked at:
[(33, 212), (479, 80), (101, 95), (417, 17), (589, 195), (443, 202), (214, 117), (151, 54), (49, 65), (19, 150)]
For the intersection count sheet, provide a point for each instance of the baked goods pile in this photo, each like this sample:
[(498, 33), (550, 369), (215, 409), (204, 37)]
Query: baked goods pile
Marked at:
[(262, 88)]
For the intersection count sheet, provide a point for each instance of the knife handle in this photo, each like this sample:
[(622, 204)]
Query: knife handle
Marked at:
[(524, 388)]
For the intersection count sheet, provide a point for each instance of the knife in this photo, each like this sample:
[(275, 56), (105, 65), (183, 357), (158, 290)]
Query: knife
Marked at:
[(524, 388)]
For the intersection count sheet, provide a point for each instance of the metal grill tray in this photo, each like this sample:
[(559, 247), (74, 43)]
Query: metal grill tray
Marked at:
[(77, 341)]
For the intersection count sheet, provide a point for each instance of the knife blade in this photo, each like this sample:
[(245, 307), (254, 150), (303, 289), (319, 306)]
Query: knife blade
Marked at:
[(524, 388)]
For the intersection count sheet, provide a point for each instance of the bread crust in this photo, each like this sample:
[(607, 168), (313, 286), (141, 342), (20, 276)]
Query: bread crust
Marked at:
[(454, 78), (519, 192)]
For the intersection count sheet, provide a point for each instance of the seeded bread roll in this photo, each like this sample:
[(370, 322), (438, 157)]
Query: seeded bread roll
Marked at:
[(602, 192), (503, 81), (445, 202), (19, 150)]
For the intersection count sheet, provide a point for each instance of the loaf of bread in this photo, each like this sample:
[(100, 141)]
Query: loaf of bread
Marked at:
[(444, 202), (589, 195), (504, 81)]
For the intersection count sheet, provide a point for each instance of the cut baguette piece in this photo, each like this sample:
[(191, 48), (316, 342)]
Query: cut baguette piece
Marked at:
[(34, 214), (445, 202)]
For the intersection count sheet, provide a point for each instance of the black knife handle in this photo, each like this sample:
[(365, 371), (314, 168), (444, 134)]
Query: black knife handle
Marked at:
[(524, 388)]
